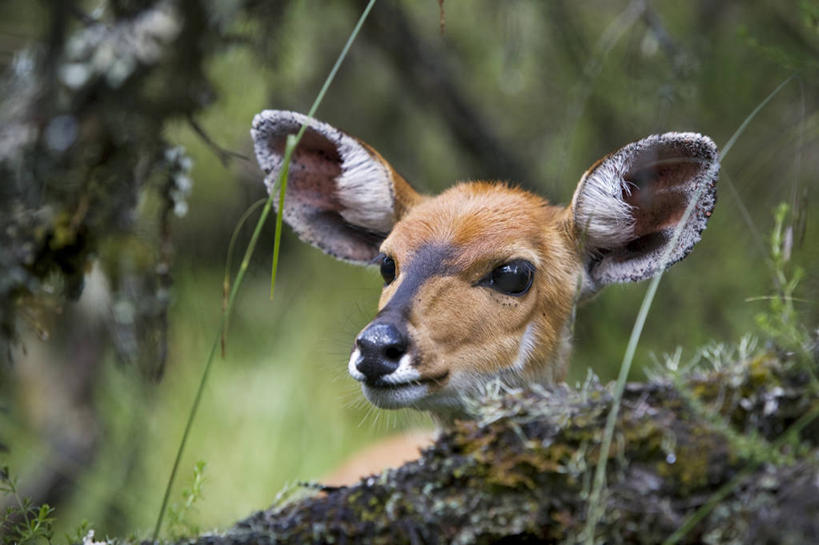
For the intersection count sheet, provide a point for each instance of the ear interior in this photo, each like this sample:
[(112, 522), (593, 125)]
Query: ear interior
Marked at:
[(340, 195), (314, 168), (628, 206), (659, 190)]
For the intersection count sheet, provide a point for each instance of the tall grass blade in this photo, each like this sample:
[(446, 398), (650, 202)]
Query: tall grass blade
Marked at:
[(291, 145), (731, 141), (226, 282), (295, 142), (595, 510)]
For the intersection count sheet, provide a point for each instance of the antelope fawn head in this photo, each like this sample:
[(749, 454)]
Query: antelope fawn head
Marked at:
[(481, 281)]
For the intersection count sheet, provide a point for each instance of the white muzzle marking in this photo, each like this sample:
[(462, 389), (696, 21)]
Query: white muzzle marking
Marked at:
[(352, 366), (397, 389)]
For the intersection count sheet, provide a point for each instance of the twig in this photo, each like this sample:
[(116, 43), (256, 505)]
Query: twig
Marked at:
[(225, 155)]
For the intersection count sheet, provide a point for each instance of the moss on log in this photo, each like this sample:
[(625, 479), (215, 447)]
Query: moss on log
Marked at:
[(522, 470)]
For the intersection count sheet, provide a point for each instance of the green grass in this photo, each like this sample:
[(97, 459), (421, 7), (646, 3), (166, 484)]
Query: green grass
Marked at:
[(231, 291), (278, 410)]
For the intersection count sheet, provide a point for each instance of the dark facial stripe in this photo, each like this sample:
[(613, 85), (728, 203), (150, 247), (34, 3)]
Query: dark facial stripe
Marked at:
[(428, 261)]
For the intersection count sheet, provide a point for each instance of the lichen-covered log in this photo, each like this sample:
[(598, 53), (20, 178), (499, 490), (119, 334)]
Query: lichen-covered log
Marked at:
[(522, 470)]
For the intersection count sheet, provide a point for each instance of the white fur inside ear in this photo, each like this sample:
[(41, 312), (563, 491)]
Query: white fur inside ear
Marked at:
[(601, 214), (365, 188)]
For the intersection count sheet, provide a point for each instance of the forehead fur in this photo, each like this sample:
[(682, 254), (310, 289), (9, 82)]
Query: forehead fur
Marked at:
[(482, 219)]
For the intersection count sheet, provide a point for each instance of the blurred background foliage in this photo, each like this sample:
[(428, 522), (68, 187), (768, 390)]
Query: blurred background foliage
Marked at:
[(529, 91)]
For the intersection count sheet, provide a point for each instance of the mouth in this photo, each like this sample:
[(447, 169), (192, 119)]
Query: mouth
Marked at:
[(381, 384), (397, 395)]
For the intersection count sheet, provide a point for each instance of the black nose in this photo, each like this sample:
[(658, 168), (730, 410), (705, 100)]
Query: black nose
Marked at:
[(381, 347)]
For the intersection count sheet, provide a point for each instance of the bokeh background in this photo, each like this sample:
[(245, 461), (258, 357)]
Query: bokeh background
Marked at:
[(528, 91)]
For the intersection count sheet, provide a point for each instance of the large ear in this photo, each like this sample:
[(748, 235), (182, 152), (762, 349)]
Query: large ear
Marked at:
[(627, 206), (342, 196)]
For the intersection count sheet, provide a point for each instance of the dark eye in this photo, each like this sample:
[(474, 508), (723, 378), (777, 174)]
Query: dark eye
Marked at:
[(513, 278), (387, 269)]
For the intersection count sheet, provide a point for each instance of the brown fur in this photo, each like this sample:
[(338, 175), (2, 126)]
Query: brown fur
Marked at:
[(457, 328), (403, 193), (390, 452)]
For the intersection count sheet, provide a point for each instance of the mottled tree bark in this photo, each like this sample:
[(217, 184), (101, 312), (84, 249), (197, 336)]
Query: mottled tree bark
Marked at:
[(82, 114), (81, 122)]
